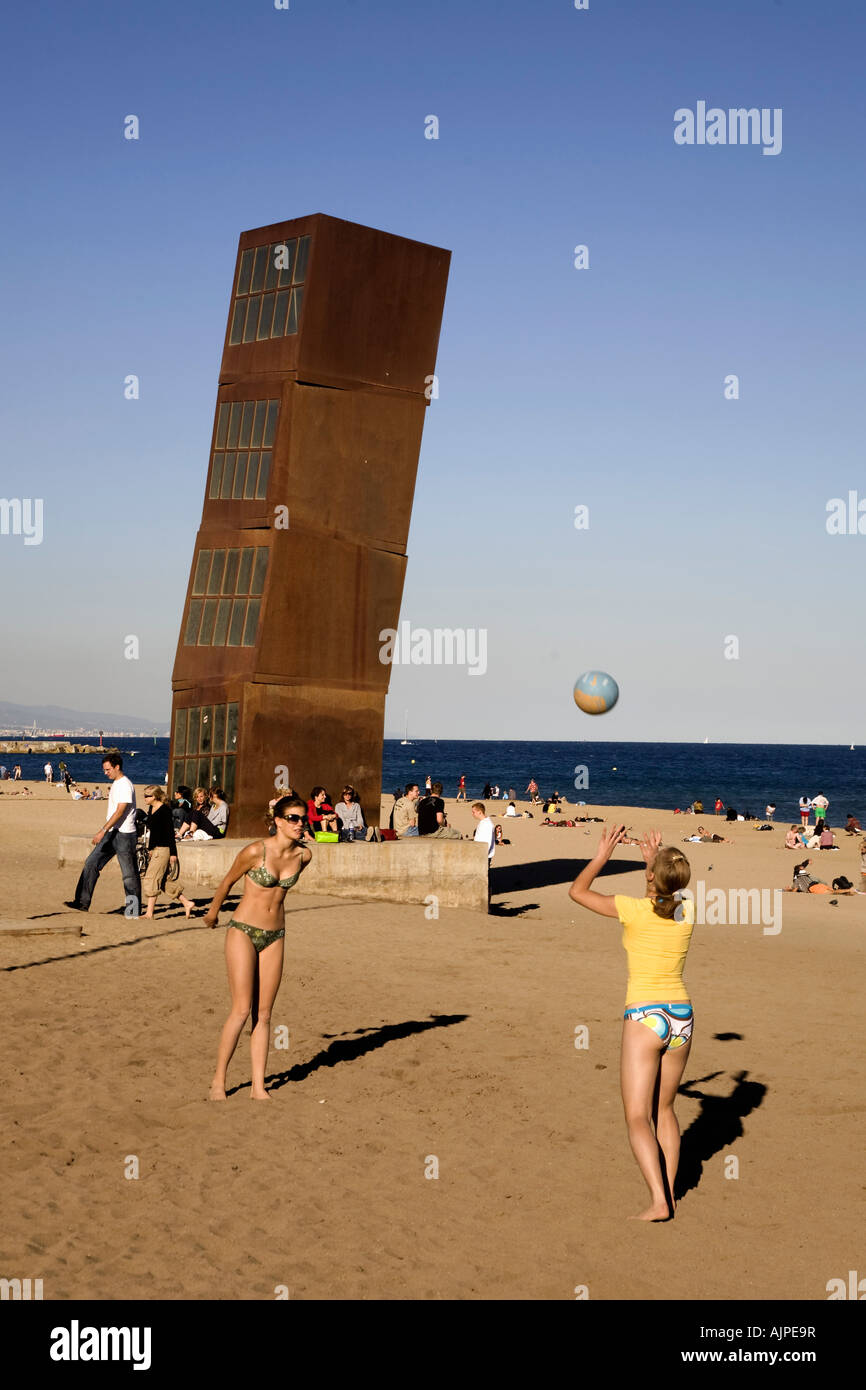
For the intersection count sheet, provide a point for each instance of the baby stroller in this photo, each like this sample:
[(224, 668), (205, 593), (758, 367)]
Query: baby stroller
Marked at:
[(141, 850)]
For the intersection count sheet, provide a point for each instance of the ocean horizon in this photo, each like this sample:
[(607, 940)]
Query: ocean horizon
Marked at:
[(664, 776)]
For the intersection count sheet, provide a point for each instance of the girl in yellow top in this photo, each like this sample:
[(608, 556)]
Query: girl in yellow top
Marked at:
[(658, 1020)]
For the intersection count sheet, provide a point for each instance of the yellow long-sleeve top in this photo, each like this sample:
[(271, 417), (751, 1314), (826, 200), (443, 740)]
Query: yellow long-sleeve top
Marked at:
[(656, 950)]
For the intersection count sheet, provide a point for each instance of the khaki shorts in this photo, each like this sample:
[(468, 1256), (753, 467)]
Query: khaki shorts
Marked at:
[(154, 881)]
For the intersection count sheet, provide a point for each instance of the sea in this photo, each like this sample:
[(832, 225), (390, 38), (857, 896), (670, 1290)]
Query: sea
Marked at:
[(663, 776)]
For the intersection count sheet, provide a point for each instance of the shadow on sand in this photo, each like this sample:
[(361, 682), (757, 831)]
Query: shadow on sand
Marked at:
[(718, 1124), (511, 878)]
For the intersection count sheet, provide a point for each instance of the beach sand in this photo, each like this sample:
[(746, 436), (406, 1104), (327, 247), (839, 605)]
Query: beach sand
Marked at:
[(412, 1040)]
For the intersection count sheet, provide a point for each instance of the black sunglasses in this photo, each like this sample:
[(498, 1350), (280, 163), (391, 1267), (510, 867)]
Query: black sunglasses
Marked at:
[(293, 818)]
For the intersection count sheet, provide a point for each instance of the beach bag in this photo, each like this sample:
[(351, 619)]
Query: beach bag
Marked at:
[(326, 837)]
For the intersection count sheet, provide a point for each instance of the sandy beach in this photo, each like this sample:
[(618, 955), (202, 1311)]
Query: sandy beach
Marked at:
[(413, 1040)]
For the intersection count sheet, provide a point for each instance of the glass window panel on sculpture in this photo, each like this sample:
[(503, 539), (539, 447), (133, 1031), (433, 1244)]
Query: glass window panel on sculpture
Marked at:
[(206, 728), (245, 272), (199, 583), (264, 475), (216, 572), (259, 268), (176, 773), (228, 476), (287, 261), (221, 626), (190, 768), (234, 424), (240, 474), (251, 623), (192, 622), (216, 475), (259, 570), (267, 315), (219, 728), (180, 732), (239, 316), (216, 772), (258, 424), (252, 476), (271, 426), (292, 325), (281, 311), (246, 569), (202, 773), (231, 574), (236, 626), (231, 728), (194, 726), (247, 424), (271, 272), (301, 264), (222, 427), (253, 306), (229, 779), (207, 622)]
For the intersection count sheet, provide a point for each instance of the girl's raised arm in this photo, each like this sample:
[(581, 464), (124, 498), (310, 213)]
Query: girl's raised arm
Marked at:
[(581, 890)]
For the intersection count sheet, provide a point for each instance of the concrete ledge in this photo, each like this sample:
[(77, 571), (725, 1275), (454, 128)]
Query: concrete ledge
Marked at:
[(62, 926), (398, 871)]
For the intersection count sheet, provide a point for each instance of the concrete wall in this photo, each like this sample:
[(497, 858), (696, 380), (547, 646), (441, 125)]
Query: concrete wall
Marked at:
[(400, 871)]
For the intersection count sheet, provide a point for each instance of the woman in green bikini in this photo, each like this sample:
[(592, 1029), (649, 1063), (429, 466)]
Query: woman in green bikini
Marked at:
[(254, 940)]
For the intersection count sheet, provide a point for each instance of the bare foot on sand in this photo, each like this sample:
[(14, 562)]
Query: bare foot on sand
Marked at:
[(259, 1095), (216, 1092), (657, 1212)]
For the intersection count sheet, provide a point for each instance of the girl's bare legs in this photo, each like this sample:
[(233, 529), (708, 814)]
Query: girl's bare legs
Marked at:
[(641, 1049), (270, 975), (667, 1126), (151, 902), (241, 967)]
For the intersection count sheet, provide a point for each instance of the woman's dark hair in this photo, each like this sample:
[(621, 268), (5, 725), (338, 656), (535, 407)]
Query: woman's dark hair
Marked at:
[(671, 872), (285, 804), (315, 792)]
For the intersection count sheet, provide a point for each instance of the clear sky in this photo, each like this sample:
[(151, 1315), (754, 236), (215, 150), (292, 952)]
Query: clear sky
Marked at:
[(558, 387)]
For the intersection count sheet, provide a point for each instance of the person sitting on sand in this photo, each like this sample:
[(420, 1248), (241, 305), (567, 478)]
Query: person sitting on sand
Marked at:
[(827, 840), (852, 825), (794, 838), (196, 824), (320, 812), (254, 939), (658, 1019), (511, 809), (499, 838)]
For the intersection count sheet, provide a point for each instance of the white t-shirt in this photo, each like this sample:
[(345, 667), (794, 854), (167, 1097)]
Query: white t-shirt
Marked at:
[(122, 790), (486, 832), (512, 811)]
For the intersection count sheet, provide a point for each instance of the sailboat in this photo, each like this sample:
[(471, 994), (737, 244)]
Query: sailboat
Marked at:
[(405, 741), (851, 749), (706, 740)]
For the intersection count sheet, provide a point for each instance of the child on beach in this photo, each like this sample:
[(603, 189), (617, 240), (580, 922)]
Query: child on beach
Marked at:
[(658, 1019), (254, 954)]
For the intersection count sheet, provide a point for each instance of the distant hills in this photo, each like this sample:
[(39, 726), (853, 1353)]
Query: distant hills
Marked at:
[(56, 717)]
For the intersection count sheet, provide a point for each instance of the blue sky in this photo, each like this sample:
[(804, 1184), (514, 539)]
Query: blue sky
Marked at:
[(558, 386)]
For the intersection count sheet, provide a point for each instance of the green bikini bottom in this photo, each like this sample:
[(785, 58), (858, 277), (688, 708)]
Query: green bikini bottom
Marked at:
[(258, 936)]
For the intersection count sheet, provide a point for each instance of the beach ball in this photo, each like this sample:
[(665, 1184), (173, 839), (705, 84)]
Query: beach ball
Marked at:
[(595, 692)]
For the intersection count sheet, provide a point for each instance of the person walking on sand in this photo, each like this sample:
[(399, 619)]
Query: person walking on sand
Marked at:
[(658, 1019), (461, 788), (161, 853), (49, 772), (254, 939), (117, 836)]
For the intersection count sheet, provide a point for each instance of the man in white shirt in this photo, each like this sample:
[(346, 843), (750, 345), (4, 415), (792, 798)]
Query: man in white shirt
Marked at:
[(485, 829), (117, 836)]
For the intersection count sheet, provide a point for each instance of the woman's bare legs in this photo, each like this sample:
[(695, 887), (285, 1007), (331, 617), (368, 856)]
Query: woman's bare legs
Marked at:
[(667, 1127), (150, 906), (639, 1070), (269, 977), (241, 967)]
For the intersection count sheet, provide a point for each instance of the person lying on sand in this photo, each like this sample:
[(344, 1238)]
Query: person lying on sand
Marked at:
[(701, 836), (804, 882)]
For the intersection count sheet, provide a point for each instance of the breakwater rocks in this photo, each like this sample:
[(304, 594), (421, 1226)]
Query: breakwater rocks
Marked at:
[(38, 745)]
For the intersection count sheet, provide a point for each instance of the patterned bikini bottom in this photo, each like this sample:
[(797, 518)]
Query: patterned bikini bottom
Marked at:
[(672, 1022), (258, 935)]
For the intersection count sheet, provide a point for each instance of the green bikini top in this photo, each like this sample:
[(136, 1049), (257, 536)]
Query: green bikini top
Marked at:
[(265, 879)]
